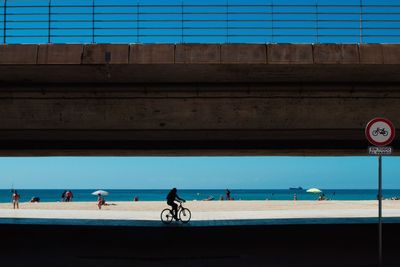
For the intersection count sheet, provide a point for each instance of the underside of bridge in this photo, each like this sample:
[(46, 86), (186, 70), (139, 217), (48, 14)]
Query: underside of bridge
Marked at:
[(183, 99)]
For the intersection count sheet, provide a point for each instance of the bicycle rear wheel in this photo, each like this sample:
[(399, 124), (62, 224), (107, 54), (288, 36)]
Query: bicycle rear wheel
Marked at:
[(185, 215), (166, 216)]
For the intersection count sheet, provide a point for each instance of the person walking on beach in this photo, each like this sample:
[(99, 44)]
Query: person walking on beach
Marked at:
[(171, 198), (68, 196), (15, 199), (295, 197), (228, 194), (100, 201), (63, 199)]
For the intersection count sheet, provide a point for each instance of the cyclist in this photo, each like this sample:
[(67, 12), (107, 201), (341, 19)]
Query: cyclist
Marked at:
[(171, 198)]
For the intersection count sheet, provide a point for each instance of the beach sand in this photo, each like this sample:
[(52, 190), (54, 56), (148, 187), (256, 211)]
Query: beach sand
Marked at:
[(204, 210), (236, 205)]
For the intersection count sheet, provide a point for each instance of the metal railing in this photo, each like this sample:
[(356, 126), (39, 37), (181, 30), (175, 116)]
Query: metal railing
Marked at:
[(200, 21)]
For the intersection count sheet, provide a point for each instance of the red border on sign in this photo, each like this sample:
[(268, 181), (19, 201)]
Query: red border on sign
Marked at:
[(369, 125)]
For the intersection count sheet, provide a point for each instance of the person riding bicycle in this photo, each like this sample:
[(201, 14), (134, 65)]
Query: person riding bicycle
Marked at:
[(171, 198)]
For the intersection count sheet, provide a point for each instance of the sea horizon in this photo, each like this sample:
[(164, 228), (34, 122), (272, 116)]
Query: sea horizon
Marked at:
[(84, 195)]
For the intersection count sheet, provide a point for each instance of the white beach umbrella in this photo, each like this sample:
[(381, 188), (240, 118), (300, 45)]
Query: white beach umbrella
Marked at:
[(314, 190), (101, 192)]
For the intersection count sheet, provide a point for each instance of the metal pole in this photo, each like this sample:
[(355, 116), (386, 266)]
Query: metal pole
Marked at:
[(5, 22), (182, 17), (361, 22), (137, 21), (227, 22), (272, 21), (93, 39), (316, 20), (49, 29), (380, 211)]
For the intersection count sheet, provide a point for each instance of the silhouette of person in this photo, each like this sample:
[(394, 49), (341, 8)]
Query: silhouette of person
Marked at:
[(228, 194), (63, 196), (100, 201), (68, 196), (15, 199), (171, 198)]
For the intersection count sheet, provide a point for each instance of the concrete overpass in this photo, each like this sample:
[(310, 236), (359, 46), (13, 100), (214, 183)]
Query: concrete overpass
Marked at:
[(230, 99)]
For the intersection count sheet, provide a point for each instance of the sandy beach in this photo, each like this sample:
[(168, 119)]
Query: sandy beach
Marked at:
[(203, 210)]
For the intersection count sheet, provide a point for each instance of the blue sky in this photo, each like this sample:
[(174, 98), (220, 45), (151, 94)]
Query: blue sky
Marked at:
[(202, 21), (197, 172)]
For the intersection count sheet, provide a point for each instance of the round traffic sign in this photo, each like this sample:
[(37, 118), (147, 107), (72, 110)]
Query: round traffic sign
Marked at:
[(380, 132)]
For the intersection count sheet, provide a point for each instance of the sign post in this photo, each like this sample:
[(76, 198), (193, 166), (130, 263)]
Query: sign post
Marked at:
[(380, 132)]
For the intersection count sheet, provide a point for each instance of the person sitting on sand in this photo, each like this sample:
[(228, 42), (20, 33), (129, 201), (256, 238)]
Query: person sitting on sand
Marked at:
[(171, 198), (322, 197), (15, 199), (35, 199)]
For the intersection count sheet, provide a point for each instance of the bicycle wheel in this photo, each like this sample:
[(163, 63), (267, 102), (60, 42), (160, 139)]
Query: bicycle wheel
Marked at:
[(185, 215), (166, 216)]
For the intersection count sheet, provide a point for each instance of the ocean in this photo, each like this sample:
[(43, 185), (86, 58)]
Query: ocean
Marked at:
[(54, 195)]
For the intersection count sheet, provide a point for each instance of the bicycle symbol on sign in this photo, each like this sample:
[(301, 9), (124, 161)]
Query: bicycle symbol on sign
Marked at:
[(381, 131)]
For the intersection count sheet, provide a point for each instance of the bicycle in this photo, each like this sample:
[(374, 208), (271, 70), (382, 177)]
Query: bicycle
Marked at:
[(184, 214), (381, 131)]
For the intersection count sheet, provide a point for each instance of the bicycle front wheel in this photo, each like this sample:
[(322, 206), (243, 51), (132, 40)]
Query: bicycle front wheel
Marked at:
[(185, 215), (166, 216)]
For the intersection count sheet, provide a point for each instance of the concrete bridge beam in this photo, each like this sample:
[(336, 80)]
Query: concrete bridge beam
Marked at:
[(186, 99)]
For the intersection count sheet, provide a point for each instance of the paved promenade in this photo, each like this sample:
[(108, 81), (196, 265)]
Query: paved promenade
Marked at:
[(233, 213)]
